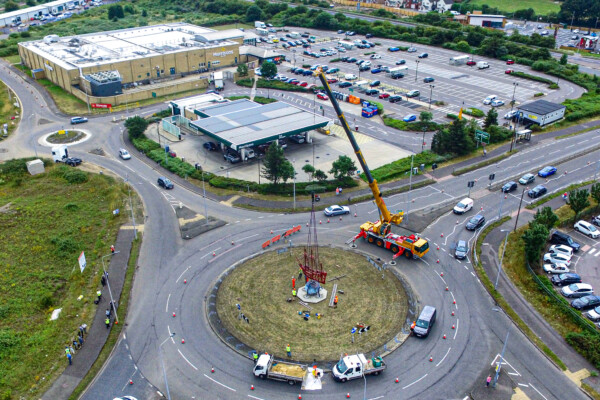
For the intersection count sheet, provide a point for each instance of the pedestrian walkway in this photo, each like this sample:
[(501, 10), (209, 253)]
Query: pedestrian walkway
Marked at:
[(97, 333)]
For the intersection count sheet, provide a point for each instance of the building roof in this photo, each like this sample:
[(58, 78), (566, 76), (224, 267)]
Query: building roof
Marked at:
[(486, 16), (227, 34), (541, 107), (260, 52), (199, 101), (106, 48), (243, 123), (40, 7)]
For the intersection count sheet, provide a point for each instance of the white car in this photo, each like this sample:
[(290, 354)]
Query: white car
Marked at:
[(553, 268), (561, 248), (124, 154), (557, 258), (587, 229), (125, 398), (257, 71), (510, 114), (488, 100), (336, 210), (366, 64), (497, 103), (283, 78), (375, 56), (575, 30), (593, 314), (463, 206), (575, 290), (412, 50)]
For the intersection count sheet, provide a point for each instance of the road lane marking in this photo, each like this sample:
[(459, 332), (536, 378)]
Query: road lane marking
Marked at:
[(219, 383), (456, 331), (418, 380), (443, 358), (522, 384), (254, 397), (247, 237), (167, 306), (188, 361), (538, 391), (182, 274)]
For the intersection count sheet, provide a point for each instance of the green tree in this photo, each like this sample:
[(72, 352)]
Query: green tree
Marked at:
[(546, 217), (578, 200), (136, 126), (323, 21), (268, 70), (343, 166), (463, 47), (491, 118), (535, 239), (475, 38), (115, 11), (320, 175), (425, 117), (129, 9), (242, 69), (253, 13), (493, 47), (275, 166), (10, 6), (309, 170), (595, 191), (144, 13), (563, 59), (525, 14), (30, 3)]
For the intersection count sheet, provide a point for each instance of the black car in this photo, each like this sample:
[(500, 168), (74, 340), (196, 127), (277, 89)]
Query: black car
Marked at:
[(586, 302), (73, 161), (340, 31), (423, 55), (369, 35), (509, 186), (559, 237), (475, 223), (565, 279), (461, 251), (210, 146), (372, 92), (345, 58), (344, 84), (537, 191), (165, 183), (400, 62), (428, 79), (352, 60), (395, 98), (375, 83)]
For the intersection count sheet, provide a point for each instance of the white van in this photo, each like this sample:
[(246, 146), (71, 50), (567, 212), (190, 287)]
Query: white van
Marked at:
[(350, 77), (482, 64)]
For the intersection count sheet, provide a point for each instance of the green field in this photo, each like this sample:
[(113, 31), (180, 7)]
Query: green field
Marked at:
[(47, 220), (541, 7)]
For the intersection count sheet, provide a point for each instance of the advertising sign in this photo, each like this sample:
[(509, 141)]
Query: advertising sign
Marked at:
[(101, 105)]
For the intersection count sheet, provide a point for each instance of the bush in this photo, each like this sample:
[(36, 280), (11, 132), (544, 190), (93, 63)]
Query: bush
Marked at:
[(263, 83), (75, 176), (540, 94), (452, 116), (400, 167), (586, 344), (145, 145), (416, 126), (474, 112)]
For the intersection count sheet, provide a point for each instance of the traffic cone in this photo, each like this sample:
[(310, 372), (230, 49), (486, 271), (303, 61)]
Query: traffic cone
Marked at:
[(355, 214), (214, 253), (444, 337), (319, 222), (456, 222), (182, 341), (347, 395), (438, 261), (453, 313), (232, 243), (251, 387), (446, 288), (454, 302), (442, 235), (481, 208), (185, 281), (340, 218), (397, 380), (299, 397), (130, 382), (438, 247), (441, 274), (453, 327), (271, 231), (212, 370), (173, 314), (327, 220), (430, 359), (505, 197)]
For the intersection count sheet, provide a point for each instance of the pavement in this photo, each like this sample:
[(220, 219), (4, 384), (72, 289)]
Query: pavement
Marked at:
[(97, 334)]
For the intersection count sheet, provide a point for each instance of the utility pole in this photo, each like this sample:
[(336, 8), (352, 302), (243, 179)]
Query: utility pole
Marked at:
[(163, 364), (131, 208), (417, 70), (108, 284), (519, 212), (409, 187), (501, 359), (204, 196), (431, 94), (572, 18)]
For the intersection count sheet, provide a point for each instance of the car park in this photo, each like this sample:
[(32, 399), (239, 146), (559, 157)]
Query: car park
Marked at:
[(165, 183), (303, 84), (352, 60), (557, 258), (509, 187), (537, 191), (78, 120), (336, 210), (547, 171), (125, 398), (463, 206), (555, 268), (369, 35), (333, 70), (593, 315), (527, 179), (340, 31), (461, 251), (586, 302), (488, 100), (413, 93), (576, 290), (497, 103), (410, 118), (124, 154), (400, 62), (395, 98), (587, 229), (475, 223), (565, 279), (332, 80), (544, 33)]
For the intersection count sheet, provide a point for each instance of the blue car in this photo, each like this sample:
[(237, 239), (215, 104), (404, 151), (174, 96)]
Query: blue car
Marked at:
[(410, 118), (547, 171), (393, 49), (376, 70)]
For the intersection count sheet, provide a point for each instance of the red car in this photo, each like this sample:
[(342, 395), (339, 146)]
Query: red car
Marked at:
[(172, 154), (322, 96), (471, 63), (303, 84), (312, 85), (332, 80), (509, 71), (510, 62), (384, 95)]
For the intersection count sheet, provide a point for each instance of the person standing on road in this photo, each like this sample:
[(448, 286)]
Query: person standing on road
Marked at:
[(107, 322), (488, 380), (484, 152), (288, 349), (99, 294), (255, 357), (69, 357), (112, 249)]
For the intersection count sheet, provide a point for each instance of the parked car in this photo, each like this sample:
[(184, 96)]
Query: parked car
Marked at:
[(375, 83), (463, 206), (428, 79), (596, 220), (423, 55), (232, 158), (210, 146), (333, 70), (527, 179), (509, 187), (372, 92), (375, 70), (547, 171), (410, 118), (332, 80), (298, 138), (384, 95), (124, 154), (393, 49), (586, 302), (587, 229), (476, 222), (559, 237), (78, 120), (497, 103), (395, 98), (336, 210), (461, 251), (557, 258), (510, 114), (576, 290), (555, 268), (400, 62), (593, 315), (322, 96), (413, 93), (470, 63), (561, 248), (165, 183), (510, 62), (537, 191), (369, 35), (488, 100), (375, 56), (509, 71), (412, 49), (565, 279)]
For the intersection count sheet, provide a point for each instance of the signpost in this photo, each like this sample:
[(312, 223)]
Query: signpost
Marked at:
[(352, 332), (481, 136), (470, 184)]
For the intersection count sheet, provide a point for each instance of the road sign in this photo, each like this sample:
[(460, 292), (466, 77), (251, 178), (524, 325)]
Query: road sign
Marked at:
[(482, 136), (470, 184), (353, 330)]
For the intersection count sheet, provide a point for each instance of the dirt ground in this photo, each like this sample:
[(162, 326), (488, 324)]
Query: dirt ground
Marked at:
[(263, 284)]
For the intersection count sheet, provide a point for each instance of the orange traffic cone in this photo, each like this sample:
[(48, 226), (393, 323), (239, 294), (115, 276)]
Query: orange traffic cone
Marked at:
[(212, 370), (130, 382), (444, 337), (182, 341), (173, 314), (251, 387)]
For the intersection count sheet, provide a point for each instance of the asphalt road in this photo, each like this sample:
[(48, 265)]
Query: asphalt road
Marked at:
[(459, 361)]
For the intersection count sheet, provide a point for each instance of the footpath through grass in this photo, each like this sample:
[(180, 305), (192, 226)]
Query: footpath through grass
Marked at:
[(47, 220)]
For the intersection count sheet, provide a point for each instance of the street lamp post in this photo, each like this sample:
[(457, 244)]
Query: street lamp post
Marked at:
[(162, 362), (204, 196), (430, 94), (294, 163), (34, 145), (412, 158), (423, 141), (519, 211), (108, 284), (501, 257), (417, 70), (512, 103)]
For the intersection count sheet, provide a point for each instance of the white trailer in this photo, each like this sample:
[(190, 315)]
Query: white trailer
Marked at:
[(218, 78), (262, 31), (482, 64), (345, 44), (294, 35), (459, 60), (259, 24)]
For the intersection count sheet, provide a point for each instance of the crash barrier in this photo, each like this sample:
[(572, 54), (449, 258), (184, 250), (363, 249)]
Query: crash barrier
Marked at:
[(287, 233)]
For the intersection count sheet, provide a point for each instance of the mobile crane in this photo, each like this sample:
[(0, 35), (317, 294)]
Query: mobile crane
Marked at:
[(379, 232)]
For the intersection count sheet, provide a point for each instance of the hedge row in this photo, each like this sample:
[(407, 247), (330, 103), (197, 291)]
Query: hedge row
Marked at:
[(279, 85), (532, 77), (400, 167), (474, 112), (416, 126)]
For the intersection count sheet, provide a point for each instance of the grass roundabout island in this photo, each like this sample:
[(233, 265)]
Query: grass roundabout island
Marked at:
[(67, 136), (263, 284)]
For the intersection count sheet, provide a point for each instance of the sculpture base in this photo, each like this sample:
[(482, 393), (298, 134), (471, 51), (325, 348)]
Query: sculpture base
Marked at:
[(303, 295)]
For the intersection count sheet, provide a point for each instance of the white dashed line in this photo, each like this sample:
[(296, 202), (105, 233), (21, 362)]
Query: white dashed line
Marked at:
[(167, 306), (538, 391), (182, 274), (219, 383), (418, 380), (456, 331), (188, 361), (443, 358)]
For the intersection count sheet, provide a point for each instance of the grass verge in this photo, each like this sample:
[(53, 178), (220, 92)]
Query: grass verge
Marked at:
[(64, 100), (116, 329), (501, 301), (591, 128), (482, 164), (546, 199), (257, 99), (8, 110)]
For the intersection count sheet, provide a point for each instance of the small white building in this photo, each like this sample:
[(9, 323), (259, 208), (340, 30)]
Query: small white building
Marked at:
[(541, 112), (27, 14), (440, 6), (486, 21)]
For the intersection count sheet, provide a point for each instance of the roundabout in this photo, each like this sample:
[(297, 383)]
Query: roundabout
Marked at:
[(262, 286)]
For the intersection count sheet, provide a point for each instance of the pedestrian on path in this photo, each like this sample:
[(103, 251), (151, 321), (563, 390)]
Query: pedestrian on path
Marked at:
[(335, 301), (67, 351), (99, 294), (488, 380), (484, 152), (69, 357), (299, 273), (288, 349), (107, 322), (80, 339), (112, 249), (103, 281), (294, 292), (107, 313)]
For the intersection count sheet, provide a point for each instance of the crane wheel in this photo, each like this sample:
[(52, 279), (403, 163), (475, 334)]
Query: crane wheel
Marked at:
[(395, 249), (379, 243), (408, 254), (370, 240)]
